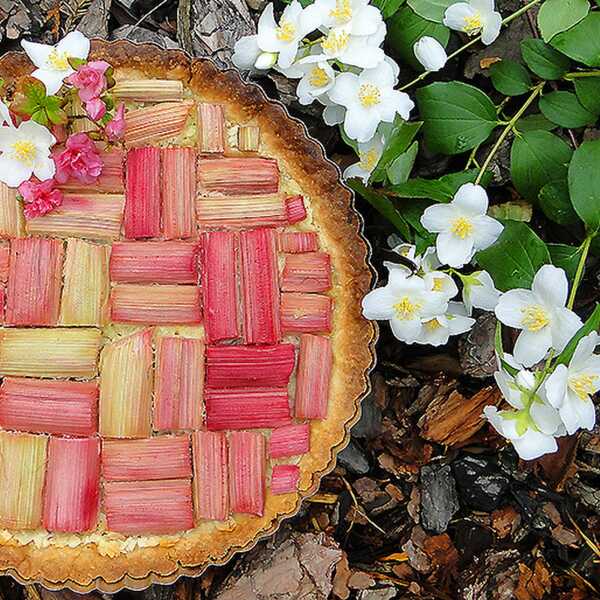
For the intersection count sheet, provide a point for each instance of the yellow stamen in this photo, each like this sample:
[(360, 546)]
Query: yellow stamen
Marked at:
[(286, 31), (583, 385), (462, 228), (473, 24), (432, 325), (318, 77), (58, 60), (438, 284), (369, 159), (369, 95), (406, 309), (342, 12), (335, 41), (24, 151), (534, 317)]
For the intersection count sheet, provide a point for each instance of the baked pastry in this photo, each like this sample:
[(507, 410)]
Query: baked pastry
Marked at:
[(183, 351)]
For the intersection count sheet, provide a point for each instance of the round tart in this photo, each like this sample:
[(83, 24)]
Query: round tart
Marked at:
[(182, 351)]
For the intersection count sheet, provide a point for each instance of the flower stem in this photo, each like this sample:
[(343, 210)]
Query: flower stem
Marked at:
[(509, 127), (585, 248), (472, 42), (578, 74)]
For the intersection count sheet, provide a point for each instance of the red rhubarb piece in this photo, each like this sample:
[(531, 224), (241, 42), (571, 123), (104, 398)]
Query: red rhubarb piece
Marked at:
[(291, 440), (298, 241), (284, 479), (308, 272), (235, 176), (295, 209), (142, 198), (314, 374), (178, 192), (305, 313), (247, 469)]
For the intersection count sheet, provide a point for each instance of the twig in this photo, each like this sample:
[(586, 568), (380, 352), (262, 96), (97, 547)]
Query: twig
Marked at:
[(144, 17)]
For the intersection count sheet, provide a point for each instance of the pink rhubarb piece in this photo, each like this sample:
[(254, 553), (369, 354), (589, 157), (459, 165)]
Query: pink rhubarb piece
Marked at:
[(178, 192), (236, 176), (291, 440), (295, 209), (308, 272), (142, 199), (284, 479), (247, 470), (314, 375), (305, 313), (300, 241)]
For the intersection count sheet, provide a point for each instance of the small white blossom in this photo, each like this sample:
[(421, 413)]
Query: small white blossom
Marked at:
[(358, 16), (333, 114), (248, 56), (569, 388), (475, 17), (25, 152), (441, 283), (369, 99), (430, 53), (463, 225), (369, 154), (316, 78), (405, 301), (437, 331), (479, 291), (541, 314), (52, 62)]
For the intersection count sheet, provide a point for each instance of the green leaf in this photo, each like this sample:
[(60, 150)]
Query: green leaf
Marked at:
[(499, 347), (592, 324), (40, 116), (536, 158), (584, 183), (388, 7), (535, 122), (556, 204), (565, 110), (556, 16), (440, 190), (399, 169), (399, 137), (544, 61), (412, 213), (566, 257), (588, 92), (510, 78), (515, 211), (406, 27), (383, 205), (457, 116), (582, 42), (432, 10), (515, 258)]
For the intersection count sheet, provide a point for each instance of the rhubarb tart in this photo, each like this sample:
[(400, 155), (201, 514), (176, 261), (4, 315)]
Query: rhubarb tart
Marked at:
[(182, 352)]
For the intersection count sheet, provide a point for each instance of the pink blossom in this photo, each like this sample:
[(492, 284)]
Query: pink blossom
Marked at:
[(40, 197), (95, 109), (89, 79), (80, 159), (116, 127)]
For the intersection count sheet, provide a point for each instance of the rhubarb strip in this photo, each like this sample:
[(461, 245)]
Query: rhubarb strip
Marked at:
[(142, 198), (12, 221), (163, 457), (91, 216), (236, 212), (126, 387), (43, 406), (284, 479), (157, 122), (291, 440), (34, 281), (110, 181), (239, 176), (305, 313), (59, 352), (295, 209), (296, 242), (219, 285), (22, 469), (4, 261), (247, 472), (148, 90), (260, 288), (72, 489), (156, 304), (211, 479), (154, 262), (313, 377), (248, 366), (86, 284), (179, 383), (178, 192), (308, 272), (211, 128), (246, 408), (248, 138), (149, 507)]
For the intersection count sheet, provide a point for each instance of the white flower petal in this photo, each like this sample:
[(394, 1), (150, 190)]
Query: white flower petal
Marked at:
[(486, 231), (472, 199), (550, 285), (359, 54), (52, 80), (345, 89), (534, 444), (395, 102), (437, 218), (246, 51), (5, 115), (545, 417), (75, 45), (456, 15), (37, 53), (511, 305), (430, 53), (459, 324), (12, 172), (453, 250), (584, 350), (491, 29), (556, 386), (484, 296), (360, 124), (564, 326), (37, 133), (267, 30), (334, 114), (532, 346), (406, 330), (44, 168), (486, 7), (379, 303), (366, 21)]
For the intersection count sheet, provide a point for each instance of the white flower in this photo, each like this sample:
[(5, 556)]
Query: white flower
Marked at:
[(333, 114), (357, 15), (25, 152), (541, 315), (405, 301), (4, 114), (437, 331), (284, 37), (430, 53), (369, 98), (569, 387), (475, 17), (479, 291), (316, 78), (441, 283), (369, 154), (52, 62), (462, 225), (249, 57)]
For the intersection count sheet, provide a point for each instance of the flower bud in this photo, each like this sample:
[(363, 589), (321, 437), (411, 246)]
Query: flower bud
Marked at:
[(265, 60), (430, 53)]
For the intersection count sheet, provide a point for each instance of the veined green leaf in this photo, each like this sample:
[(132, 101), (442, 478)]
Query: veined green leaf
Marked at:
[(399, 169), (566, 257), (388, 7), (564, 109), (556, 204), (584, 183), (432, 10), (592, 324), (543, 60), (440, 190), (582, 42), (510, 78), (556, 16), (399, 137), (535, 122), (588, 93)]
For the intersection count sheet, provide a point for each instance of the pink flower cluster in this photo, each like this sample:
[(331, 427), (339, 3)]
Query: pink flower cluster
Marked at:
[(40, 197), (90, 81)]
